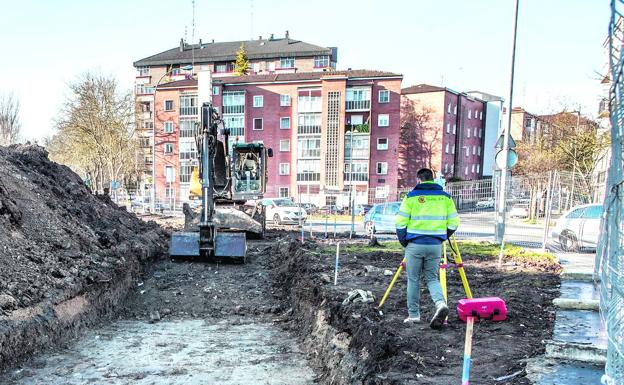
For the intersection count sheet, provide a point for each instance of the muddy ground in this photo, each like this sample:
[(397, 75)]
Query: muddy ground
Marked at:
[(354, 344), (65, 254)]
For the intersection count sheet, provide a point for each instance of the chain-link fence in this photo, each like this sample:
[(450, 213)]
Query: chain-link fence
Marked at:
[(609, 266)]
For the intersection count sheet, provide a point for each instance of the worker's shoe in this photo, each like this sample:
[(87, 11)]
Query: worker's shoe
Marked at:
[(440, 315), (412, 320)]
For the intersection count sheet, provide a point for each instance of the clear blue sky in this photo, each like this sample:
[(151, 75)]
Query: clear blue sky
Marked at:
[(464, 45)]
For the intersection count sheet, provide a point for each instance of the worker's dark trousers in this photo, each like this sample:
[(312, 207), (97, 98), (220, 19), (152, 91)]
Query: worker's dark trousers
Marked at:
[(425, 259)]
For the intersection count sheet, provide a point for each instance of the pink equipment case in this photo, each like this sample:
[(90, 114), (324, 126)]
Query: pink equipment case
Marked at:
[(488, 308)]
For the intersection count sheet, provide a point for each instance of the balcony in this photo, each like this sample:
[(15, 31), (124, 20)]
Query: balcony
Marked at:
[(309, 177), (235, 109), (146, 115), (355, 177), (188, 111), (358, 105), (357, 128), (358, 153)]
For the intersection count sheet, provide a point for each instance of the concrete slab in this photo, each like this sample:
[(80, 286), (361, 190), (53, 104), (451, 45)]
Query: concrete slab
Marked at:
[(576, 352), (577, 304), (579, 290), (579, 326), (189, 352), (551, 372)]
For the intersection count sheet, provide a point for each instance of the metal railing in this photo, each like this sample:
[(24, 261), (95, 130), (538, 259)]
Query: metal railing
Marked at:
[(357, 105)]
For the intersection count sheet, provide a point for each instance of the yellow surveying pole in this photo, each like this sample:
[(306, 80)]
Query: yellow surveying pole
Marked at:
[(460, 265), (443, 267), (396, 276)]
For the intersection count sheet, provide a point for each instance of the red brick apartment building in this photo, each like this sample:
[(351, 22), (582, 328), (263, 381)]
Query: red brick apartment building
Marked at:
[(328, 129), (442, 129)]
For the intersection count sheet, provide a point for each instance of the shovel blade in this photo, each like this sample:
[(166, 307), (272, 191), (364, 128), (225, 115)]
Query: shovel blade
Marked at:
[(184, 244), (230, 245)]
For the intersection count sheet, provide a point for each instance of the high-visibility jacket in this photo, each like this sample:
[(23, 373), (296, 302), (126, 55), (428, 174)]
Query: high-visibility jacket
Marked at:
[(426, 216)]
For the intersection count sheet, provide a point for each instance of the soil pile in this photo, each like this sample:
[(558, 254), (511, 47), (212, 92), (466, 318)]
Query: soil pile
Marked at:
[(58, 241), (355, 344)]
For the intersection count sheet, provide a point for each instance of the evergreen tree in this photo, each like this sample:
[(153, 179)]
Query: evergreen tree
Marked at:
[(242, 63)]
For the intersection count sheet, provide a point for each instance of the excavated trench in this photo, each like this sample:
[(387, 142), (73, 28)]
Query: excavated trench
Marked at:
[(86, 296)]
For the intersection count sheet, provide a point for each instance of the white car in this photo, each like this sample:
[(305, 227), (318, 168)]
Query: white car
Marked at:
[(283, 210), (519, 210), (579, 227), (486, 204)]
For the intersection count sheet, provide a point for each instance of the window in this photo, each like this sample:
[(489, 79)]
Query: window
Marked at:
[(454, 128), (448, 128), (384, 96), (284, 168), (480, 115), (445, 168), (466, 171), (224, 67), (287, 62), (474, 132), (382, 143), (469, 114), (382, 168), (284, 193), (383, 120), (258, 101), (168, 127), (455, 110), (593, 212), (452, 152), (169, 173), (474, 150), (309, 148), (234, 102), (257, 124), (168, 105), (448, 108), (321, 61), (285, 145), (479, 151), (168, 148), (468, 132), (185, 172), (284, 123), (452, 168), (446, 149), (215, 90), (188, 105), (187, 150), (284, 100), (467, 151), (143, 71), (480, 132), (478, 168), (473, 168)]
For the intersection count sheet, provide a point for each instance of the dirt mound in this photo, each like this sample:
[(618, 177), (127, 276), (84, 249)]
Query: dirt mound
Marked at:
[(355, 344), (57, 240)]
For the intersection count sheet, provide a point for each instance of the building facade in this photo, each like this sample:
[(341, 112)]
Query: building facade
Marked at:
[(441, 129), (267, 56), (330, 132)]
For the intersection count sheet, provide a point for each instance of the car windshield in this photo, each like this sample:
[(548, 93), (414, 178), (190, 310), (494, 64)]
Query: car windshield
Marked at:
[(284, 203)]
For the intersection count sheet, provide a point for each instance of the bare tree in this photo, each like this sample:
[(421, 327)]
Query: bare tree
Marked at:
[(10, 122), (418, 140), (96, 131)]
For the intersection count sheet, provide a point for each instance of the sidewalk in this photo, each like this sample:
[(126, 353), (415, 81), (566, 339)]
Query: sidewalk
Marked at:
[(577, 352)]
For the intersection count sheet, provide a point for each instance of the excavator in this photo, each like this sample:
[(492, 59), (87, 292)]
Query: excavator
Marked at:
[(225, 182)]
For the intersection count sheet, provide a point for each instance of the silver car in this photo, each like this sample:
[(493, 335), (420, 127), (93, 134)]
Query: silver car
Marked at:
[(579, 227)]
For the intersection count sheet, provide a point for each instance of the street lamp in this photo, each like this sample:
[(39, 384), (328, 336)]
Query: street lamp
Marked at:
[(153, 195)]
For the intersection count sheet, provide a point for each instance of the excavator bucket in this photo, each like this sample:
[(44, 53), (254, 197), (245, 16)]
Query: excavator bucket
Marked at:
[(227, 245)]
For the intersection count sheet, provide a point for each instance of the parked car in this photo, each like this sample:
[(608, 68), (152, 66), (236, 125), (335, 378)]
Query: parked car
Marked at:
[(486, 204), (520, 209), (579, 227), (365, 209), (283, 210), (381, 217), (310, 208), (332, 209)]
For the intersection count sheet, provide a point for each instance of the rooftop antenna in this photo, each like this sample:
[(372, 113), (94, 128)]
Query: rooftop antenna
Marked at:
[(251, 31), (193, 37)]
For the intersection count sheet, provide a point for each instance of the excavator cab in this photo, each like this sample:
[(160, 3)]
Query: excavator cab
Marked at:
[(249, 172)]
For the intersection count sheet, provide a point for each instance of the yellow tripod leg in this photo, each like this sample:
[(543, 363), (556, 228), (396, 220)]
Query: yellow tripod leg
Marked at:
[(460, 266), (443, 267), (396, 276)]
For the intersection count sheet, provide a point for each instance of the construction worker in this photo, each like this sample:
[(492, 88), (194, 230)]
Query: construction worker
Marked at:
[(427, 218)]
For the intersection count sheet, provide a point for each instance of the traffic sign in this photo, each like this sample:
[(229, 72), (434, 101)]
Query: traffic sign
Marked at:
[(501, 140), (512, 159)]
